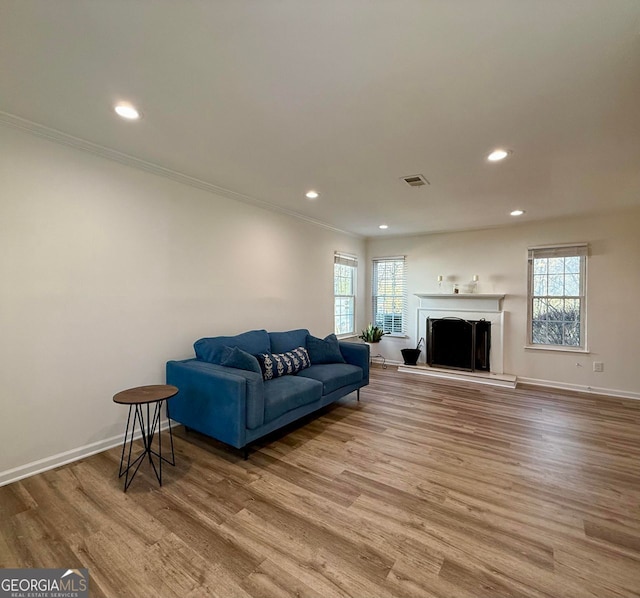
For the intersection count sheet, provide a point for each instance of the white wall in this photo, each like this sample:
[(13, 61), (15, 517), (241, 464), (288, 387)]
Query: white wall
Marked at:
[(499, 258), (107, 272)]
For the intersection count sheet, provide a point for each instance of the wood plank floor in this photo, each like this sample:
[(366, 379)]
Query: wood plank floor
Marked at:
[(423, 488)]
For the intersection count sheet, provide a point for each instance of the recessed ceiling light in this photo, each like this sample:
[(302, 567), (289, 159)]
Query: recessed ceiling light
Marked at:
[(384, 226), (498, 154), (126, 110), (517, 212), (312, 194)]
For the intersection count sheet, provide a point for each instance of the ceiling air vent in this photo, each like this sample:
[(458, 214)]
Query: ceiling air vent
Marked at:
[(415, 180)]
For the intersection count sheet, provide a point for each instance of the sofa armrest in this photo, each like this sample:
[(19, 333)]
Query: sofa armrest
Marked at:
[(356, 354), (219, 401)]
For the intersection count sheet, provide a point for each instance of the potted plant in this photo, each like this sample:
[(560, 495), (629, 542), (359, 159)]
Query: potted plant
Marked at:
[(372, 334), (410, 356)]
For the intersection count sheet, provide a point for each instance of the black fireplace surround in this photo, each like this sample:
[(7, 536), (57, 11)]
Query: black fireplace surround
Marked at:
[(459, 344)]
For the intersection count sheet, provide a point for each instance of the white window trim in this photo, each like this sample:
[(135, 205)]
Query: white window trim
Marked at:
[(561, 250), (347, 259), (405, 304)]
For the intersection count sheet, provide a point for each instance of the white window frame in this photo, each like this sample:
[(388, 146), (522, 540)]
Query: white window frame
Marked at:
[(351, 262), (580, 250), (388, 320)]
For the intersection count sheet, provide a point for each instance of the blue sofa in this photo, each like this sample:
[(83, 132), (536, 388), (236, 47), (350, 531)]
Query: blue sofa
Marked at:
[(238, 406)]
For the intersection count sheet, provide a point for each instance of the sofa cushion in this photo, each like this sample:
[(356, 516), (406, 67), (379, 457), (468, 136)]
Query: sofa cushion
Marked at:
[(253, 342), (288, 393), (281, 342), (325, 350), (274, 365), (333, 375), (234, 357)]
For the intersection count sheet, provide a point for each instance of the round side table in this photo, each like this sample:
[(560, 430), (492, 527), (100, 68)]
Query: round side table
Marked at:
[(137, 398)]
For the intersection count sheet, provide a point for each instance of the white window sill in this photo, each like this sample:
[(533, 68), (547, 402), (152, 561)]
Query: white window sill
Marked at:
[(344, 337), (557, 349)]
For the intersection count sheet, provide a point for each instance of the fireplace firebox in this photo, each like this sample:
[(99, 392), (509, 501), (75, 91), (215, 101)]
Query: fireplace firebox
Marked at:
[(459, 344)]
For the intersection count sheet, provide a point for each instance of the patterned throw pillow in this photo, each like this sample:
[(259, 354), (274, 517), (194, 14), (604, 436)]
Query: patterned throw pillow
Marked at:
[(274, 365)]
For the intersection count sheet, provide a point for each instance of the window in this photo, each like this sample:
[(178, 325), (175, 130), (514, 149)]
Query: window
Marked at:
[(344, 291), (389, 294), (557, 303)]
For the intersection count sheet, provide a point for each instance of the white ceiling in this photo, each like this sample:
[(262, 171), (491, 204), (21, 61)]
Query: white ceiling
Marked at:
[(270, 98)]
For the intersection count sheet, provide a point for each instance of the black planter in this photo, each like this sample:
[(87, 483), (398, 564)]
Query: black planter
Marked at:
[(410, 356)]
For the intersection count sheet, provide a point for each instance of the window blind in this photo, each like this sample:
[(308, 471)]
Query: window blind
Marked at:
[(345, 259), (578, 249)]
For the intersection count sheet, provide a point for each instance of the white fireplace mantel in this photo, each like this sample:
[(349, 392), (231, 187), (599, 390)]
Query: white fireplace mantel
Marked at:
[(469, 306), (461, 301)]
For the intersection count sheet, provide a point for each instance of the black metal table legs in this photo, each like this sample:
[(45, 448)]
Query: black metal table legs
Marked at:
[(147, 431)]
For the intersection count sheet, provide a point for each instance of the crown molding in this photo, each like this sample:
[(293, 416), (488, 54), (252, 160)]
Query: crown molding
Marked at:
[(57, 136)]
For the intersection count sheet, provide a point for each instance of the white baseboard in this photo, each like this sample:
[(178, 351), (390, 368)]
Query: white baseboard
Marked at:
[(35, 467), (378, 361), (610, 392)]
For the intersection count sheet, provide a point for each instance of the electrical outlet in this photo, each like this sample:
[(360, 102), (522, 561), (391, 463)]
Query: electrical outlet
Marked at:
[(598, 366)]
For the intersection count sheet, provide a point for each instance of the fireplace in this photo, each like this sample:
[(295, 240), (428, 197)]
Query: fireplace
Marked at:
[(459, 344)]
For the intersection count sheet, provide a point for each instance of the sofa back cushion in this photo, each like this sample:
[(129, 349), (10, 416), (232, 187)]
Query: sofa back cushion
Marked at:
[(253, 342), (324, 350), (281, 342)]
